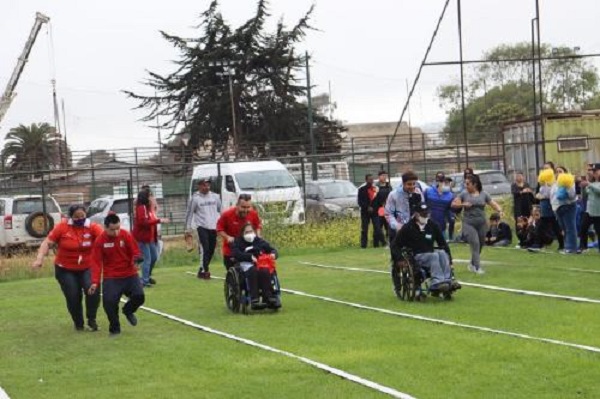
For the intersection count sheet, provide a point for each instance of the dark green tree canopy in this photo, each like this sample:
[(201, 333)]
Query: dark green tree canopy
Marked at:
[(499, 92), (245, 76)]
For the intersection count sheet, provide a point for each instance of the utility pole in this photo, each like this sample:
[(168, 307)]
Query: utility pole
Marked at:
[(462, 83), (313, 148), (541, 89), (64, 125), (229, 71)]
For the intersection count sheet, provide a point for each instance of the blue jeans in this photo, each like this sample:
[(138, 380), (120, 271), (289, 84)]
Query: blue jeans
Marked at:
[(566, 215), (149, 251)]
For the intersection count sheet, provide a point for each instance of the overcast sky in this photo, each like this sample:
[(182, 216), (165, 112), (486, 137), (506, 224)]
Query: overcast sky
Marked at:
[(365, 49)]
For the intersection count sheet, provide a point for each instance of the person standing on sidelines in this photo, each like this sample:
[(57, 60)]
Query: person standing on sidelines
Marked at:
[(74, 238), (592, 189), (384, 189), (368, 213), (145, 231), (232, 221), (438, 199), (113, 259), (202, 214)]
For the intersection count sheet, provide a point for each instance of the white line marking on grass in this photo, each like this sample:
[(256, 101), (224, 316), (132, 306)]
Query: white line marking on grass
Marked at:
[(3, 394), (575, 269), (340, 373), (484, 286), (441, 321)]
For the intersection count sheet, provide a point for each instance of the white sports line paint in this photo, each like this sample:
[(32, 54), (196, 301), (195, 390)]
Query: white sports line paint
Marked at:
[(3, 394), (340, 373), (439, 321), (484, 286), (575, 269)]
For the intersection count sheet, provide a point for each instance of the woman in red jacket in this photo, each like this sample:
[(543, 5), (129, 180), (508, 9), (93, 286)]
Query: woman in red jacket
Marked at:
[(145, 231), (74, 239)]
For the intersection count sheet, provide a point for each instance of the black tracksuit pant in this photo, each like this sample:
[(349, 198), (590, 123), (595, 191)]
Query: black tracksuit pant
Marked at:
[(75, 284), (208, 243), (112, 290), (259, 278), (365, 219)]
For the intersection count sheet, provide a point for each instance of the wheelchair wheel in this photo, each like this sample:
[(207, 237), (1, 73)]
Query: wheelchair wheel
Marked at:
[(405, 284), (233, 291)]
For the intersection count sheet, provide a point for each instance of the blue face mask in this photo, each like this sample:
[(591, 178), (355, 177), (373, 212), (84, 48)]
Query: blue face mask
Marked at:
[(445, 189), (79, 222)]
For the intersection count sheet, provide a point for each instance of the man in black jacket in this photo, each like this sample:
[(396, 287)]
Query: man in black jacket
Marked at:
[(368, 213), (383, 191), (420, 235), (499, 234)]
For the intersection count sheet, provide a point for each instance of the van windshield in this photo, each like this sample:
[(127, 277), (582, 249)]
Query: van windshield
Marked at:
[(265, 180)]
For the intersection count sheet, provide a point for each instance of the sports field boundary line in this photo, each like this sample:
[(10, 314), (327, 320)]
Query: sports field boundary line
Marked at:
[(3, 394), (587, 348), (474, 285), (321, 366)]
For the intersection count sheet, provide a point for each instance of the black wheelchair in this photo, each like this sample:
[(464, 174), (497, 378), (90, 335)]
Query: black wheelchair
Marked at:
[(237, 295), (411, 282)]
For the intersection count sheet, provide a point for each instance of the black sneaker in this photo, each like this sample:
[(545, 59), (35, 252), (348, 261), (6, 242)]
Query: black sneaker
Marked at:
[(152, 281), (115, 332), (455, 285), (256, 305), (274, 302), (92, 325), (131, 318), (79, 328)]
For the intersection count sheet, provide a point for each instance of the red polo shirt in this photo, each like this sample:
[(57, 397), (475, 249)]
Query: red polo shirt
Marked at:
[(74, 243), (113, 257), (231, 223)]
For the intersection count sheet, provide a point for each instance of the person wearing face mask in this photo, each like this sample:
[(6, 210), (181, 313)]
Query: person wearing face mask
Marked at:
[(113, 260), (74, 238), (420, 234), (246, 249), (232, 221), (366, 198), (439, 198)]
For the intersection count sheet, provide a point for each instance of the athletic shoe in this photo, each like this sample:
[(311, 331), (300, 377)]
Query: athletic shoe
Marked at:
[(92, 325), (472, 268), (206, 276), (131, 318), (534, 249), (273, 302), (455, 285), (79, 328), (567, 252), (114, 333), (152, 281), (200, 275), (479, 271), (517, 246), (440, 287), (256, 305)]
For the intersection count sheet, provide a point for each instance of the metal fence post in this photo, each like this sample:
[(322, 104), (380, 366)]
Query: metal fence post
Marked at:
[(424, 156), (387, 153), (93, 175), (303, 182), (353, 160), (44, 204)]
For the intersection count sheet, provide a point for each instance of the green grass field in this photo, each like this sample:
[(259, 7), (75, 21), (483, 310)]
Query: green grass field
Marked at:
[(41, 356)]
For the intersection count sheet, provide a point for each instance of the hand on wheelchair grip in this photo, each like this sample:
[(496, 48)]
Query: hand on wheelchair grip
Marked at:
[(402, 264)]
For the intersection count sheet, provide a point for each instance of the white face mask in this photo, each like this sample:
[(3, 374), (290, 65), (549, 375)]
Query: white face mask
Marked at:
[(249, 237), (445, 189), (422, 220)]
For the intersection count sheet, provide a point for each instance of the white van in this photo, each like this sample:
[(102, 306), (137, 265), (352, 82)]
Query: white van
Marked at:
[(274, 191)]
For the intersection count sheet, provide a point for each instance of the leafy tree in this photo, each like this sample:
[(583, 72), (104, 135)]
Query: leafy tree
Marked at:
[(502, 91), (35, 148), (195, 101)]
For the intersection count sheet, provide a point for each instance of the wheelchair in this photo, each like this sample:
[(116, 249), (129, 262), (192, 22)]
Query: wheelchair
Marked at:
[(237, 294), (411, 282)]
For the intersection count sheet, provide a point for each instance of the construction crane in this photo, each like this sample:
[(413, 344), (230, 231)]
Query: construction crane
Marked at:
[(9, 92)]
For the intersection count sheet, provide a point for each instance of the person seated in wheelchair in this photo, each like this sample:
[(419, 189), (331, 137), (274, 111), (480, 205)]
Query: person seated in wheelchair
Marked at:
[(246, 249), (419, 236)]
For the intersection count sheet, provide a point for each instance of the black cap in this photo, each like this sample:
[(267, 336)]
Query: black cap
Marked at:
[(382, 172), (595, 166), (440, 177), (204, 180)]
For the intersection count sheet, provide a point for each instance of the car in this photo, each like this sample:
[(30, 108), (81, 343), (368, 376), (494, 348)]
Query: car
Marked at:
[(122, 206), (494, 182), (328, 199), (26, 220), (99, 209)]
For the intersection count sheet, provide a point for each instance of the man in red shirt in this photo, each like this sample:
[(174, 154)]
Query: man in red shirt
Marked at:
[(231, 223), (113, 257)]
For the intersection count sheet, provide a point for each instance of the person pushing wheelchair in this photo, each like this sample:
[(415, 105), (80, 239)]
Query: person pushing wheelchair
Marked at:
[(419, 237)]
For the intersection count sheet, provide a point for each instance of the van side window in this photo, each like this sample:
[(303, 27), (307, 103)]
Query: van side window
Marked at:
[(229, 184), (2, 208), (215, 184)]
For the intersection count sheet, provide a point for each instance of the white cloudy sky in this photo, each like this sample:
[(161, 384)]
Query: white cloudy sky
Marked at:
[(365, 49)]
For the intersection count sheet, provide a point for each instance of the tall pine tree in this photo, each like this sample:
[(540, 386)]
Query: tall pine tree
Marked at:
[(267, 96)]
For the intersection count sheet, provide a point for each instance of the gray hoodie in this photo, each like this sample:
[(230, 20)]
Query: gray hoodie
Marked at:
[(203, 211)]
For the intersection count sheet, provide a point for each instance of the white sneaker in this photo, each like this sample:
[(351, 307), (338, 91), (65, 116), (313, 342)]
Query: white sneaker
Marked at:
[(517, 246), (472, 268), (480, 271)]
